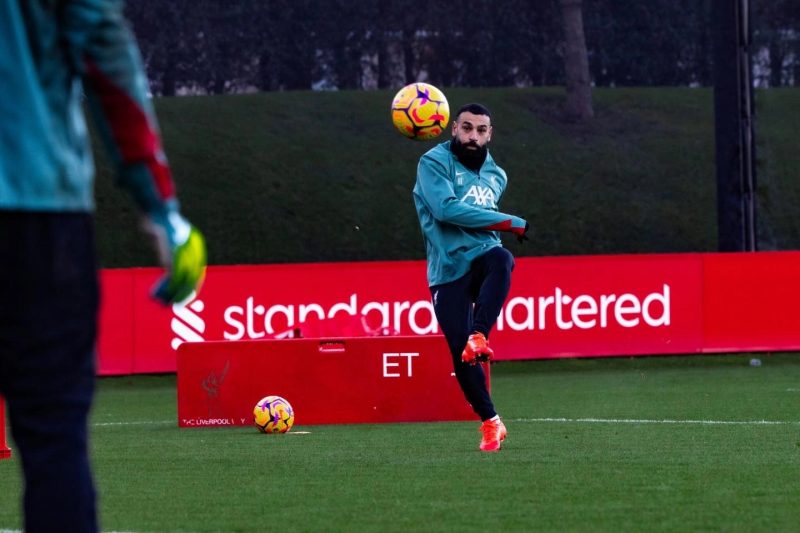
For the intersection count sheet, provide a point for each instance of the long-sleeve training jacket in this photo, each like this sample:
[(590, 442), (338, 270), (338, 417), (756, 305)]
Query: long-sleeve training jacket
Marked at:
[(457, 210), (56, 56)]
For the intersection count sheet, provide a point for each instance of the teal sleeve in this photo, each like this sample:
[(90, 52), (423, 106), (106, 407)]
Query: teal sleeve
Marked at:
[(107, 57), (436, 191)]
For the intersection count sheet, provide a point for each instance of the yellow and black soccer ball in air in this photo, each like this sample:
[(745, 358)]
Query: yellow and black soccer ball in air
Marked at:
[(420, 111)]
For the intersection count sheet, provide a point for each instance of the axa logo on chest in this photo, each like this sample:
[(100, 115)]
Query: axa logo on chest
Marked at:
[(559, 309), (482, 196)]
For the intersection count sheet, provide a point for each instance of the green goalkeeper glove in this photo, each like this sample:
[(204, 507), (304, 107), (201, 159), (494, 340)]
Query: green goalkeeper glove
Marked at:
[(182, 251)]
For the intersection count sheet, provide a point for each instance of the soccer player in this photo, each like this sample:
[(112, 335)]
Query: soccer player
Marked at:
[(52, 54), (469, 272)]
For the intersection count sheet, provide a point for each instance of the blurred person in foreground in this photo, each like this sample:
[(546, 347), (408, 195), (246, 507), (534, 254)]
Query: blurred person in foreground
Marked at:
[(469, 272), (53, 54)]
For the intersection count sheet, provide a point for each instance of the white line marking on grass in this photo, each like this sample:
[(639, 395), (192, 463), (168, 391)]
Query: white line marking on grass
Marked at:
[(662, 421), (20, 531), (539, 420)]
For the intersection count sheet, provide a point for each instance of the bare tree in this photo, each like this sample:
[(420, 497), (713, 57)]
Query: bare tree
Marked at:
[(576, 63)]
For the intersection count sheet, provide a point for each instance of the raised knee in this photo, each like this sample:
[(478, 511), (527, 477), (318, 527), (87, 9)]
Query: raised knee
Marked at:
[(502, 258)]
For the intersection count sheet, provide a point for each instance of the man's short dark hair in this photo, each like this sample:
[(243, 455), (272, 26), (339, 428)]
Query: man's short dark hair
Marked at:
[(475, 109)]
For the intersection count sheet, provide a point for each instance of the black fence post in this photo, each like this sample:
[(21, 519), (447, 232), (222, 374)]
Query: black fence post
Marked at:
[(734, 128)]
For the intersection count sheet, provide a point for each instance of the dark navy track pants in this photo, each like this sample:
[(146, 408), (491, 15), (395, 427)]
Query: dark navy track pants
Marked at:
[(471, 304), (48, 316)]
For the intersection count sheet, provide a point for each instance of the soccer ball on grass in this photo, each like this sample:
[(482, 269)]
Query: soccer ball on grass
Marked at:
[(273, 414), (420, 111)]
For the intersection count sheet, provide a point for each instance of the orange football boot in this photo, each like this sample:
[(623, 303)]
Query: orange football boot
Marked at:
[(493, 433), (477, 350)]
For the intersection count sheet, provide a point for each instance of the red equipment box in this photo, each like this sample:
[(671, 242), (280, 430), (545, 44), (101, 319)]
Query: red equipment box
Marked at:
[(336, 381)]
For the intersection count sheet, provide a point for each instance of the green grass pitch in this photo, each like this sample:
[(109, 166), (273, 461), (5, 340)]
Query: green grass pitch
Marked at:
[(620, 444)]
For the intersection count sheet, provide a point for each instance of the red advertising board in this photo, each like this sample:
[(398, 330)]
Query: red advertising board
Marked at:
[(751, 302), (331, 381), (602, 305), (117, 328), (557, 307), (5, 451)]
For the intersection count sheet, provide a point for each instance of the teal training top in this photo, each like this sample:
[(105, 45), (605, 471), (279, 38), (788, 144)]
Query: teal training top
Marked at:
[(457, 210), (56, 55)]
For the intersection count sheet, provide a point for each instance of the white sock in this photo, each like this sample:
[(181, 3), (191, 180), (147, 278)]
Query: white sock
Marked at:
[(495, 418)]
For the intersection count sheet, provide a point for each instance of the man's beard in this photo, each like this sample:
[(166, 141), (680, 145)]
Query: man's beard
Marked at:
[(472, 158)]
